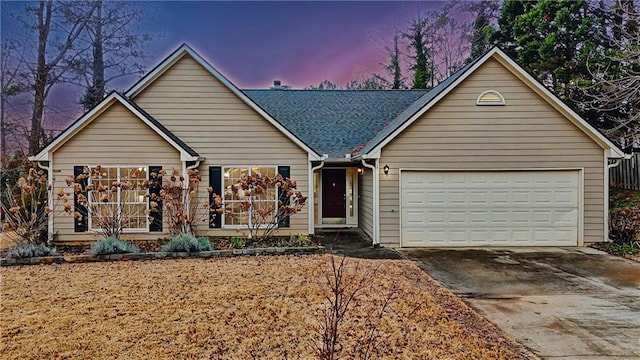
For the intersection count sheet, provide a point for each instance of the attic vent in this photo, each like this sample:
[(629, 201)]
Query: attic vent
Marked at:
[(490, 97)]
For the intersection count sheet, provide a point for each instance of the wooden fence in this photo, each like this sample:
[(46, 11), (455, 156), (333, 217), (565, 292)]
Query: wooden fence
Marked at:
[(627, 174)]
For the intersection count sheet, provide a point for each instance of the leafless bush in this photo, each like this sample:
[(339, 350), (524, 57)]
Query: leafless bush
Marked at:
[(256, 192), (345, 283), (175, 198), (25, 207)]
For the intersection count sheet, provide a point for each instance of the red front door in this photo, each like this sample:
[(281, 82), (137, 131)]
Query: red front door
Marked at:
[(334, 193)]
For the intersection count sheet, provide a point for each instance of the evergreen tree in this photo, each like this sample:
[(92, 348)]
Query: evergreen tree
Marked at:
[(482, 32), (551, 39), (393, 65), (421, 67)]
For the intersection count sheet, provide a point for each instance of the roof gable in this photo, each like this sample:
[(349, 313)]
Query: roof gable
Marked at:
[(422, 105), (186, 153), (184, 50)]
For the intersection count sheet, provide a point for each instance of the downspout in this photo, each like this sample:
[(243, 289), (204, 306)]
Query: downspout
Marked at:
[(49, 199), (375, 241), (312, 169), (615, 164), (607, 180)]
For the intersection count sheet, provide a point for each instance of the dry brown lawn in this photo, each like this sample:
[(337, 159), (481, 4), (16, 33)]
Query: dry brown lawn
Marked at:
[(235, 308)]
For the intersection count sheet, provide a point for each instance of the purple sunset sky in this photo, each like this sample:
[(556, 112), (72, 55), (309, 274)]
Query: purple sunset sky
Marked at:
[(300, 43), (253, 43)]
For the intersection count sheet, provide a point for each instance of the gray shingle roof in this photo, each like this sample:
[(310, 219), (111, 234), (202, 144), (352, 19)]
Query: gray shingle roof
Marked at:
[(335, 122)]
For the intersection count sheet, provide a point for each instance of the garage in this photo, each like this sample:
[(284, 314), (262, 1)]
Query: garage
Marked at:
[(490, 208)]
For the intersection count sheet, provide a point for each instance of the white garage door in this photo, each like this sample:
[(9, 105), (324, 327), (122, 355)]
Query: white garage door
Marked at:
[(490, 208)]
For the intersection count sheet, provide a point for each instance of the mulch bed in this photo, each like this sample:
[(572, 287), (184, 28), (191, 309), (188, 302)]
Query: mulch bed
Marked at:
[(217, 243)]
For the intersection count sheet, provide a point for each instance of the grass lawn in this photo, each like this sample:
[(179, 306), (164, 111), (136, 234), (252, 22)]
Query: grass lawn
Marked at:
[(236, 308)]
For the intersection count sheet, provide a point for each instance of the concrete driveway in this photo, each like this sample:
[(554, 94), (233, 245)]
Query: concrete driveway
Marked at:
[(569, 303)]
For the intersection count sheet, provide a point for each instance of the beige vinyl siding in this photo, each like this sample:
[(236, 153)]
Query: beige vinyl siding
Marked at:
[(527, 133), (116, 137), (205, 114), (365, 205)]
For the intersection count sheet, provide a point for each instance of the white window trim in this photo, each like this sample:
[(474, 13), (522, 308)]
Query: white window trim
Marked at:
[(224, 201), (481, 102), (124, 230)]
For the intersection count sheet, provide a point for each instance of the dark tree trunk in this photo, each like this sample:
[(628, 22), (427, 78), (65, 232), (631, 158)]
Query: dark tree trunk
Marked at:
[(95, 92), (41, 73), (98, 56)]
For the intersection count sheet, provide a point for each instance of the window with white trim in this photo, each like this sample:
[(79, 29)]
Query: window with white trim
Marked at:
[(120, 192), (240, 209)]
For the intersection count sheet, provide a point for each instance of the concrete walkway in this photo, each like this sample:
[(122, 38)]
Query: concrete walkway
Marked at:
[(569, 303), (353, 242)]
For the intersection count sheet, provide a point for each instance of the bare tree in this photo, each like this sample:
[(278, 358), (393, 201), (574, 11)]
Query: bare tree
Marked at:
[(450, 46), (438, 44), (372, 82), (13, 82), (485, 18), (324, 85), (57, 25), (615, 88), (392, 66), (115, 49)]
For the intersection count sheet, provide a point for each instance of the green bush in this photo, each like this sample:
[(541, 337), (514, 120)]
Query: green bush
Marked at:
[(30, 250), (237, 243), (111, 245), (300, 240), (624, 249), (187, 243)]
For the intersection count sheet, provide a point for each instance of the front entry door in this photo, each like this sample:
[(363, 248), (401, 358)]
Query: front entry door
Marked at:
[(334, 193)]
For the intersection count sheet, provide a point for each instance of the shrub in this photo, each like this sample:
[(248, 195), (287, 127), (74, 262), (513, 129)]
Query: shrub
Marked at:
[(624, 249), (624, 219), (187, 243), (172, 195), (256, 194), (300, 240), (26, 204), (112, 245), (26, 250), (237, 243)]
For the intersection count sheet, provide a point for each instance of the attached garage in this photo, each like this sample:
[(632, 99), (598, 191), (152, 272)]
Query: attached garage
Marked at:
[(490, 208)]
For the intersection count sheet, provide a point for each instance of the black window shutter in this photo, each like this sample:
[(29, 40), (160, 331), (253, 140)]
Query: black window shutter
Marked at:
[(82, 224), (155, 182), (215, 181), (285, 172)]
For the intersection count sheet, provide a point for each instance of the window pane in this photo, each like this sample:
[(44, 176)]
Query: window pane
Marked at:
[(235, 215), (272, 193), (265, 202), (131, 203)]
